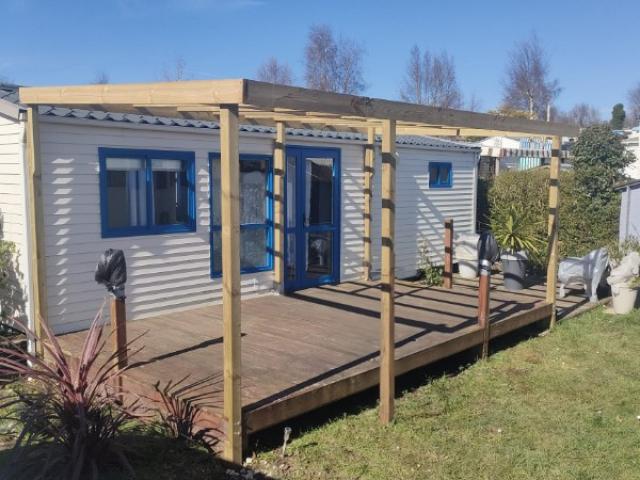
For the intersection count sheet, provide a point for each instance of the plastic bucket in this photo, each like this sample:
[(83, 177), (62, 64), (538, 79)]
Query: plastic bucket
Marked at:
[(624, 299), (514, 269), (468, 268)]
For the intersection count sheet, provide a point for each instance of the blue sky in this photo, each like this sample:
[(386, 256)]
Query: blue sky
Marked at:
[(594, 46)]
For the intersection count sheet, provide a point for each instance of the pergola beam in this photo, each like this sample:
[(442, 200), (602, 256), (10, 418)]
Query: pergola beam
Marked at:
[(268, 95), (262, 96)]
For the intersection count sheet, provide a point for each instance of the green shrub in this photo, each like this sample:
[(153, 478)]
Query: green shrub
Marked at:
[(585, 223), (430, 274)]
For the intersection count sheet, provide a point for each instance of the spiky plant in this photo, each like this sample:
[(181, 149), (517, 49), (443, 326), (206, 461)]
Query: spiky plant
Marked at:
[(67, 414), (515, 231), (181, 410)]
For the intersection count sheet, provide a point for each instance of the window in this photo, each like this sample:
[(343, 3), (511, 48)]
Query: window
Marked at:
[(145, 192), (256, 204), (439, 175)]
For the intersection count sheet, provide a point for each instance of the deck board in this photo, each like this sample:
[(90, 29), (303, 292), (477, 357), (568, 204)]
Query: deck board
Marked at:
[(312, 347)]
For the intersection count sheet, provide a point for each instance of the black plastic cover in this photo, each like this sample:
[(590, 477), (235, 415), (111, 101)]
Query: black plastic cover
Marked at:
[(488, 250), (111, 271)]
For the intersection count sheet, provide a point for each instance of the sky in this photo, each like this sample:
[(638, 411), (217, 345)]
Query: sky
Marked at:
[(593, 46)]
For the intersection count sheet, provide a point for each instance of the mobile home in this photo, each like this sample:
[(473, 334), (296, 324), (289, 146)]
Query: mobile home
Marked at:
[(149, 185)]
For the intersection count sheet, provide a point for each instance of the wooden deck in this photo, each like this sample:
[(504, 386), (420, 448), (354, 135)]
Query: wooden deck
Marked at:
[(308, 349)]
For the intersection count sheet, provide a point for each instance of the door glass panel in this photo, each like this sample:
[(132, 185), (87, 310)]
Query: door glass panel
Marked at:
[(291, 192), (291, 257), (319, 191), (319, 254)]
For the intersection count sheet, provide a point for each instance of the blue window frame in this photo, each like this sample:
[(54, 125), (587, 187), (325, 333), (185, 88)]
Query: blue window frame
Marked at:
[(256, 213), (146, 192), (440, 175)]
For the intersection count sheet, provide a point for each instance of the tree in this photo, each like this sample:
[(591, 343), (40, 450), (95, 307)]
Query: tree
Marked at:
[(474, 104), (528, 85), (599, 160), (176, 71), (101, 78), (582, 115), (333, 65), (273, 71), (431, 80), (618, 116), (634, 105)]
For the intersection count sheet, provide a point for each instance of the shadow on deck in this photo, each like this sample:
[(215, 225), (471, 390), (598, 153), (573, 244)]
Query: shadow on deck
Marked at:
[(317, 346)]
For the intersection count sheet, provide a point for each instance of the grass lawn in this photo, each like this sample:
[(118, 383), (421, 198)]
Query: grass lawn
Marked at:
[(565, 405)]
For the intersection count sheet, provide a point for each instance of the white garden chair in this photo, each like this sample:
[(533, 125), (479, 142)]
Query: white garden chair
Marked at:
[(585, 271)]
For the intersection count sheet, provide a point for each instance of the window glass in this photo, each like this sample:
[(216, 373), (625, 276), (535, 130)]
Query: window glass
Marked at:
[(253, 248), (126, 193), (253, 185), (170, 192), (255, 203), (440, 175), (146, 192)]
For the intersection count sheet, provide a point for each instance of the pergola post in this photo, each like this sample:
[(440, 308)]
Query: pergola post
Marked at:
[(230, 209), (278, 205), (369, 169), (36, 228), (387, 308), (448, 253), (554, 203)]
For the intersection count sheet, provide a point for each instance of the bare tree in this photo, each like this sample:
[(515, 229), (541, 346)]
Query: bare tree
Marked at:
[(350, 78), (411, 91), (333, 65), (634, 105), (273, 71), (101, 78), (176, 71), (581, 115), (474, 104), (431, 80), (527, 84)]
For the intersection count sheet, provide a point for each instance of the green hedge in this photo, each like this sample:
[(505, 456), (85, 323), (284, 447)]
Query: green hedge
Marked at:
[(585, 223)]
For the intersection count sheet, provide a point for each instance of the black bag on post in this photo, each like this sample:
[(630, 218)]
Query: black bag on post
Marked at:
[(111, 271), (488, 252)]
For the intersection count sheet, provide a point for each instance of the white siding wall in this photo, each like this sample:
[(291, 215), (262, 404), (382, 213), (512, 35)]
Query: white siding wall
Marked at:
[(12, 213), (166, 272), (420, 211), (171, 272)]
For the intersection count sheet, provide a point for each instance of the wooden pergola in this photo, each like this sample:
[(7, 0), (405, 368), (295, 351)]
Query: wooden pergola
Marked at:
[(231, 101)]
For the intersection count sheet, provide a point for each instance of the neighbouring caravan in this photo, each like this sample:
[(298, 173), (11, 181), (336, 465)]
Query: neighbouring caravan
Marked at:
[(149, 185)]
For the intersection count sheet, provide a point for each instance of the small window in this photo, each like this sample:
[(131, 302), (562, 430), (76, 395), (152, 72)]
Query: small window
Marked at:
[(440, 175), (145, 192), (256, 251)]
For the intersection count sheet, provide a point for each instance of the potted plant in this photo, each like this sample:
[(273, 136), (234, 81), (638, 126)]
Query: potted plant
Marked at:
[(516, 235)]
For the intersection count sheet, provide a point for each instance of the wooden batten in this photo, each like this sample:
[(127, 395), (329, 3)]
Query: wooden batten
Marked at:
[(554, 224), (387, 306), (369, 170), (278, 204), (230, 210), (36, 226)]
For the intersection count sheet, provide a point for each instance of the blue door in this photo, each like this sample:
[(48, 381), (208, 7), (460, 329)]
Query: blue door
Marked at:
[(312, 221)]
